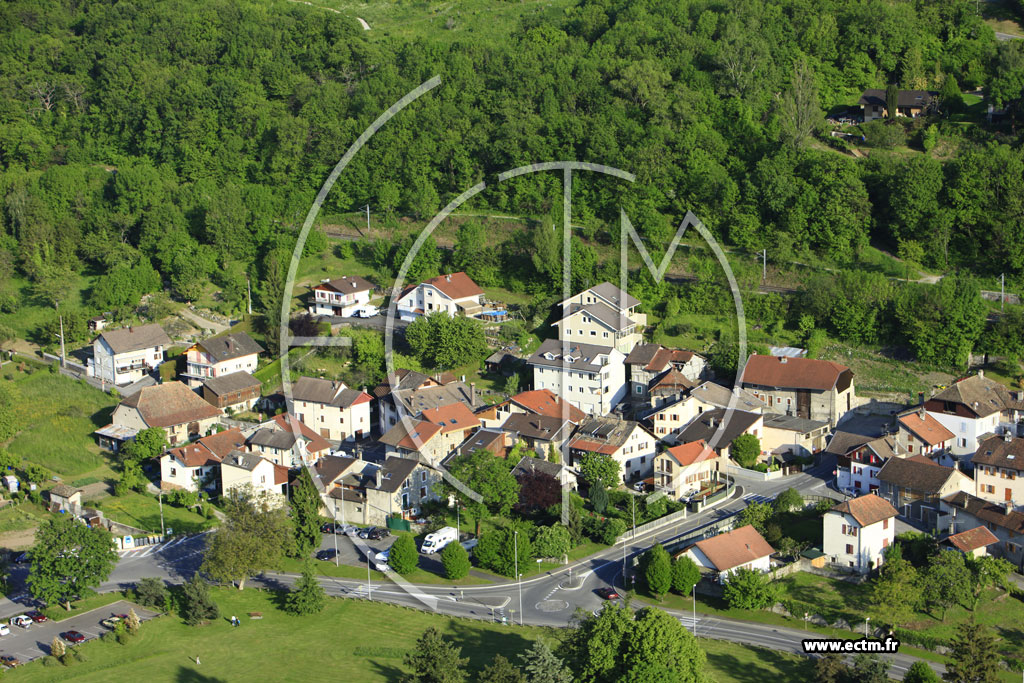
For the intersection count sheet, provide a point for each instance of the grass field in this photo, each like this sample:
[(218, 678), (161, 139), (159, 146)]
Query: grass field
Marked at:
[(20, 517), (143, 511), (59, 415), (359, 640)]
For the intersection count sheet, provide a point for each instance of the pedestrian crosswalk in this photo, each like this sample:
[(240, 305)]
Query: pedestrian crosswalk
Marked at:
[(751, 498), (142, 551)]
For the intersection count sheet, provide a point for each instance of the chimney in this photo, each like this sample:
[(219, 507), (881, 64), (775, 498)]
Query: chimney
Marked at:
[(1007, 436), (920, 397), (448, 277), (922, 413), (472, 393), (782, 359), (711, 422), (359, 452), (1008, 507), (378, 477), (231, 344)]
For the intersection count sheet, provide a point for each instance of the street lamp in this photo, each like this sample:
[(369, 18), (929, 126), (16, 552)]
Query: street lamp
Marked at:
[(695, 609), (866, 622), (806, 616), (519, 577)]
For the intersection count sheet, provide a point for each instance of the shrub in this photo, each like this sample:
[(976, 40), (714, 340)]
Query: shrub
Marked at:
[(455, 560)]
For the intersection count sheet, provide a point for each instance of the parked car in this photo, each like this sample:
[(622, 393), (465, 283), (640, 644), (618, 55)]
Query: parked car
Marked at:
[(21, 620), (23, 557), (374, 533), (73, 637), (688, 495), (36, 616), (346, 529), (326, 555), (608, 593), (5, 630), (367, 311), (640, 486), (470, 544), (112, 621), (327, 528), (10, 660), (365, 533)]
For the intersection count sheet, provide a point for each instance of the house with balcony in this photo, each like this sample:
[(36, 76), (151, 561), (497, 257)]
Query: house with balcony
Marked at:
[(330, 408), (340, 297), (624, 441), (857, 533), (364, 493), (172, 406), (999, 470), (591, 378), (808, 388), (416, 439), (973, 409), (285, 440), (859, 459), (219, 356), (910, 103), (197, 464), (684, 468), (603, 316), (919, 433), (410, 393), (128, 354), (667, 417), (539, 432), (454, 294)]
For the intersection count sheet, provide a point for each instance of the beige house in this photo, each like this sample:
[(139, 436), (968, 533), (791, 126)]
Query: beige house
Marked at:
[(792, 434), (625, 441), (539, 432), (910, 103), (727, 553), (648, 365), (409, 393), (220, 356), (188, 467), (240, 469), (171, 405), (542, 402), (999, 470), (128, 354), (284, 440), (812, 389), (667, 417), (416, 440), (331, 409), (857, 532), (456, 421), (64, 497), (604, 316), (684, 468), (359, 492)]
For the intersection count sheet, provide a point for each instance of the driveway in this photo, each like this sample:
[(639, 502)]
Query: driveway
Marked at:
[(34, 642)]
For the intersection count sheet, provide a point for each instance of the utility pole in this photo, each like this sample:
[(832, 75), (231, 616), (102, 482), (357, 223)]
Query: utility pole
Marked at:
[(61, 319), (1002, 291), (694, 609), (248, 294), (367, 207), (519, 577), (633, 537), (764, 265)]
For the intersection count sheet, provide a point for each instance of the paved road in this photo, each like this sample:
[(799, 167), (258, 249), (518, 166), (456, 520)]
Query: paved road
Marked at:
[(33, 642), (1006, 36)]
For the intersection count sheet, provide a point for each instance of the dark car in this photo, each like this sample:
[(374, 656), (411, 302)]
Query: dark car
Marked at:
[(36, 616), (608, 593), (73, 637), (23, 557), (10, 660), (378, 533), (327, 528), (326, 555)]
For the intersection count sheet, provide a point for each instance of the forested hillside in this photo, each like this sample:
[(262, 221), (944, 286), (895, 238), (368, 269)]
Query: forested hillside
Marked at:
[(183, 141)]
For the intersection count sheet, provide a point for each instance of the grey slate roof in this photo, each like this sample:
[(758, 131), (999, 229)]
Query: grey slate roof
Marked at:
[(642, 354), (616, 296), (417, 400), (324, 391), (706, 425), (537, 427), (394, 473), (235, 381), (792, 423), (273, 438), (915, 474), (246, 461), (135, 338), (228, 346), (529, 465), (581, 357), (600, 312)]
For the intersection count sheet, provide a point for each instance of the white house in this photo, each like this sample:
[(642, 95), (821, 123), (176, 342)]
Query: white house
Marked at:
[(726, 553), (857, 532), (340, 297), (190, 466), (332, 409), (859, 459), (971, 408), (240, 469), (592, 378), (284, 440), (625, 441), (220, 356), (127, 354), (453, 293), (919, 433)]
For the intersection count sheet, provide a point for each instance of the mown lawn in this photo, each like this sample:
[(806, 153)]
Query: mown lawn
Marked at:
[(143, 511), (346, 571), (58, 416), (21, 516), (358, 640)]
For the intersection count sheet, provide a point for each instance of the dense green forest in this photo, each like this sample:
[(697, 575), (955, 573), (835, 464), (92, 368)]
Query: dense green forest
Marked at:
[(181, 142)]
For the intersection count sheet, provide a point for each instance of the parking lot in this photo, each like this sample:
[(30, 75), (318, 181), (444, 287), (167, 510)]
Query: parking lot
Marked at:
[(348, 553), (34, 642)]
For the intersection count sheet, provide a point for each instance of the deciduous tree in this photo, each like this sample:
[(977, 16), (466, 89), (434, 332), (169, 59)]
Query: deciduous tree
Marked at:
[(68, 557), (251, 539), (750, 589), (455, 559)]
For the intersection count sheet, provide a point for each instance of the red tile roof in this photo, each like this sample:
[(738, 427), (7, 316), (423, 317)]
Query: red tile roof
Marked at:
[(546, 402), (792, 373), (452, 417), (593, 446), (412, 437), (664, 357), (280, 475), (735, 548), (867, 510), (925, 427), (455, 285), (169, 404), (691, 453), (972, 539)]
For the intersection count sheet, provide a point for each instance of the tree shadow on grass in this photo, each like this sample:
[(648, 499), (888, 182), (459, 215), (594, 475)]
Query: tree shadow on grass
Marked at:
[(387, 670), (481, 645), (102, 417), (191, 675), (743, 671)]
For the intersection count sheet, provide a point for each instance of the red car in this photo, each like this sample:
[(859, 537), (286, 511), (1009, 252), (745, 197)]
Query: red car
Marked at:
[(608, 593), (36, 616), (73, 637)]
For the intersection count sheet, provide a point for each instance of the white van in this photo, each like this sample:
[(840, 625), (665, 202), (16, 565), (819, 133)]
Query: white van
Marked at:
[(366, 311), (439, 539)]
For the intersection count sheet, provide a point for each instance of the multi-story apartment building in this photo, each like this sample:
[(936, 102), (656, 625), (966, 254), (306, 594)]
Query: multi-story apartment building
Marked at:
[(220, 356), (999, 469), (332, 409), (127, 354), (603, 315), (591, 378)]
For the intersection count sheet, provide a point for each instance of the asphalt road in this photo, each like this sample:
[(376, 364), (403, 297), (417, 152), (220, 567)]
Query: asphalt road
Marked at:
[(550, 599)]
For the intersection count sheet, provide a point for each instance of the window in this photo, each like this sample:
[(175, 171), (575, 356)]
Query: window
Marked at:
[(963, 443), (174, 472), (885, 542), (643, 460), (910, 448), (849, 551), (640, 390), (885, 524)]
